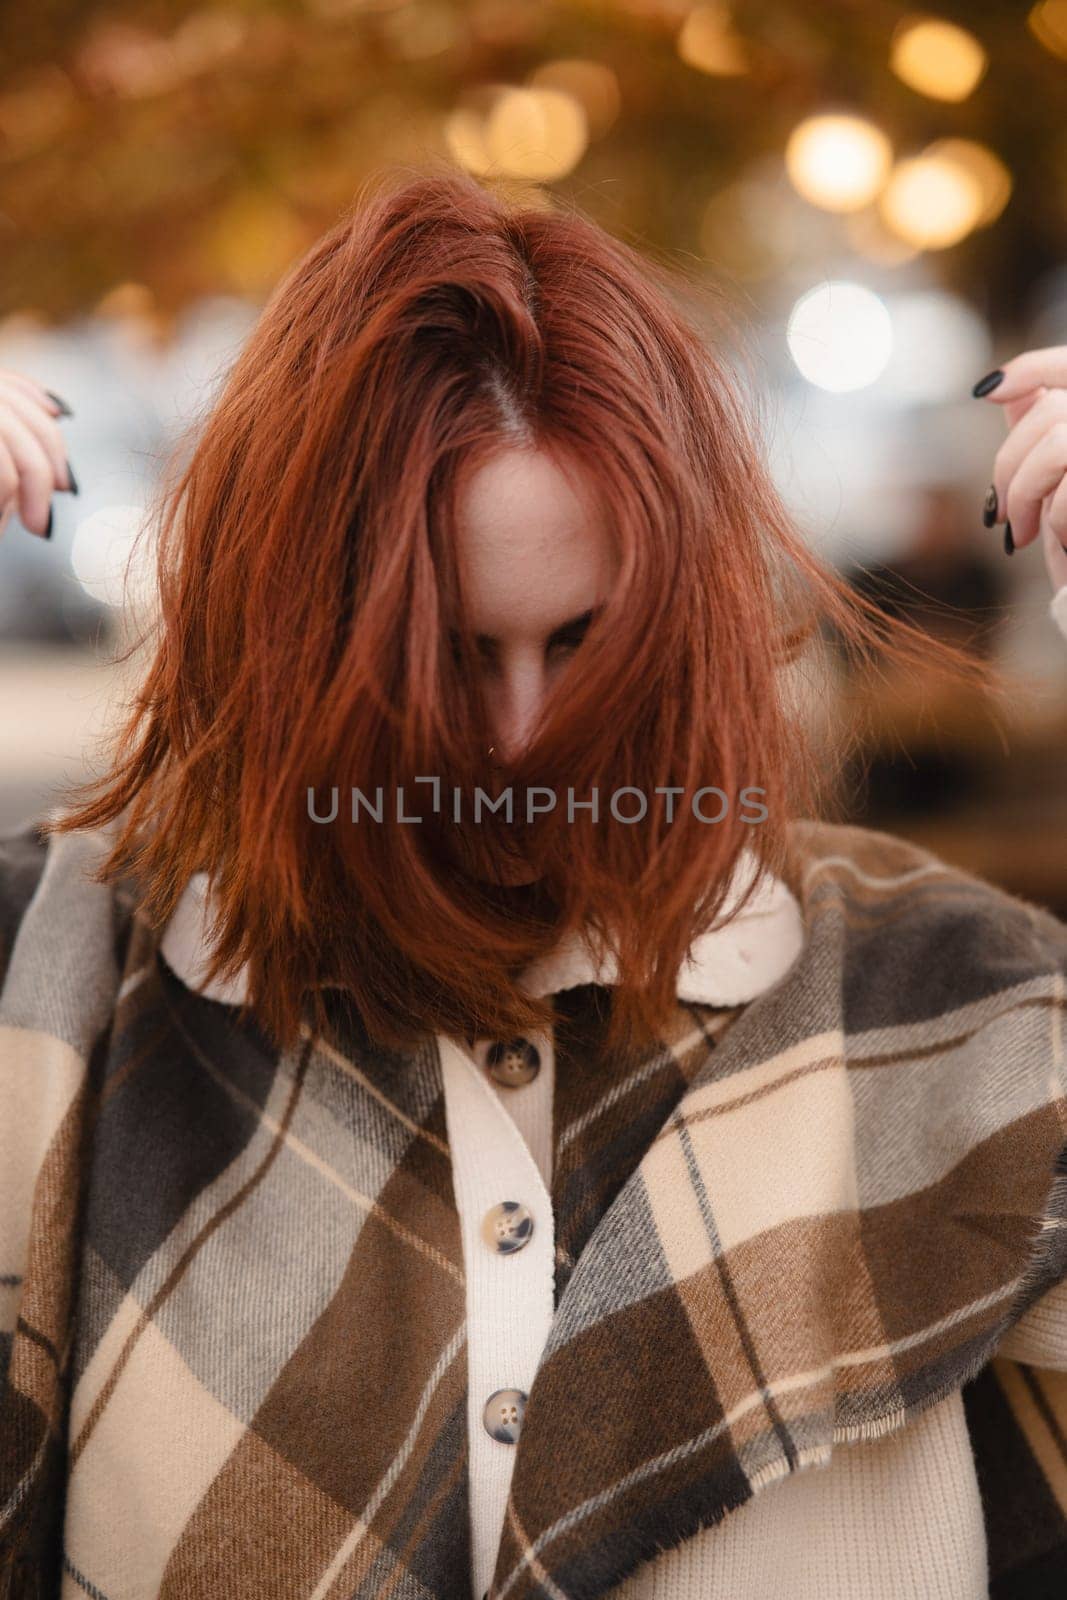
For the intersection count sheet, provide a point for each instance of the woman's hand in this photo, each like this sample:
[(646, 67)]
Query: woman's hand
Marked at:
[(33, 457), (1029, 489)]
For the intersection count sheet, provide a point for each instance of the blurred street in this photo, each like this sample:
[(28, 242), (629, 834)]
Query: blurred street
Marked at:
[(54, 702)]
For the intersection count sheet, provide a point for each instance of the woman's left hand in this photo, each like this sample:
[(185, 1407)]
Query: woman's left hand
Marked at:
[(1030, 470)]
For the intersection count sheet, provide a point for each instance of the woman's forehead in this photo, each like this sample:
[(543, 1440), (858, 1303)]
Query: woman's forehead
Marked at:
[(533, 544)]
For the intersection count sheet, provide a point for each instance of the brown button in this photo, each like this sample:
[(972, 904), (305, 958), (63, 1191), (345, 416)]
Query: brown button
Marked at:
[(513, 1062), (503, 1414), (507, 1227)]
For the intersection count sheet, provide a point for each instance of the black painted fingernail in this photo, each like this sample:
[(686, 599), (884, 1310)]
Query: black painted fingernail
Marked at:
[(987, 384), (64, 409), (989, 509), (73, 479), (1009, 542), (48, 525)]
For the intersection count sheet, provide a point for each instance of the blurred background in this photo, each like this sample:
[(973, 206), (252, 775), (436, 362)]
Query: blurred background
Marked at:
[(880, 195)]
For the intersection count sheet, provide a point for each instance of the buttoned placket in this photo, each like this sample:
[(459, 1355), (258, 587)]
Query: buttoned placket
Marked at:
[(499, 1119)]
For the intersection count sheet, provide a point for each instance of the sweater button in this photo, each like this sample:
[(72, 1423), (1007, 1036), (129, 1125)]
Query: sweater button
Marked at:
[(513, 1062), (503, 1415), (507, 1227)]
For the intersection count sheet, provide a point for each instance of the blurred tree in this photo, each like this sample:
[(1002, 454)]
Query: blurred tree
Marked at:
[(201, 148)]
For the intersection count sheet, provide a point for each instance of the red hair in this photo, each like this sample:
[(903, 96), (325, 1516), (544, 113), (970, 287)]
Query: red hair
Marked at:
[(308, 581)]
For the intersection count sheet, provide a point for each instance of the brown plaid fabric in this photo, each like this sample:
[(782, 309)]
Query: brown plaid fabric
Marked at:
[(233, 1285)]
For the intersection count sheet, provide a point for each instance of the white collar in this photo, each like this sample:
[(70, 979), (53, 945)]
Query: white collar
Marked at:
[(726, 966)]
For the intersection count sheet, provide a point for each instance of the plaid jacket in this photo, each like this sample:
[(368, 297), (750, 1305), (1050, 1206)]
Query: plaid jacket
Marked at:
[(234, 1287)]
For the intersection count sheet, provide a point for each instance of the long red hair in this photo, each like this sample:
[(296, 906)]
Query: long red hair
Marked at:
[(308, 583)]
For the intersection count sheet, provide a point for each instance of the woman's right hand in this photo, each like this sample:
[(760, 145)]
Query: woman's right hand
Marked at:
[(33, 456)]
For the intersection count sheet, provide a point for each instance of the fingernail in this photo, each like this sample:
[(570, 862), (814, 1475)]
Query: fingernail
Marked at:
[(989, 509), (987, 384), (73, 479), (64, 409), (48, 525), (1009, 542)]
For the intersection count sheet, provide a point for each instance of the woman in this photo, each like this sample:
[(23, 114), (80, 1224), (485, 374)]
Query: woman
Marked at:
[(336, 1114)]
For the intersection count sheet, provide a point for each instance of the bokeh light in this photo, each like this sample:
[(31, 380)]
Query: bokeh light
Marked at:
[(708, 42), (591, 83), (1047, 21), (985, 167), (931, 202), (939, 343), (937, 58), (537, 133), (111, 558), (838, 161), (840, 336), (253, 240), (465, 137)]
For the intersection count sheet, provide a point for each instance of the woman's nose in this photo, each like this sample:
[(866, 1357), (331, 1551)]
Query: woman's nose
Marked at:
[(516, 709)]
